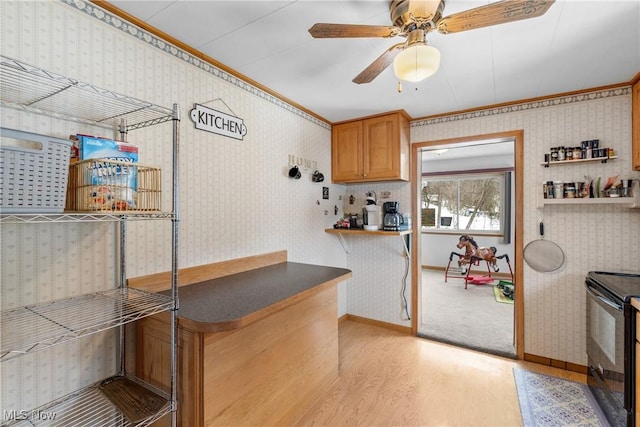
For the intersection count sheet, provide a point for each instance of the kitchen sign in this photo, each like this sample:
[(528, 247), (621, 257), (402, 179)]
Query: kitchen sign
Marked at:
[(217, 122)]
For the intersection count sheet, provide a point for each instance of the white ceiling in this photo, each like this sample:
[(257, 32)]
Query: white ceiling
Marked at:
[(577, 44)]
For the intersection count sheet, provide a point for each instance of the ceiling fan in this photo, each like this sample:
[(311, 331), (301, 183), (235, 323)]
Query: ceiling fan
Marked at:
[(414, 19)]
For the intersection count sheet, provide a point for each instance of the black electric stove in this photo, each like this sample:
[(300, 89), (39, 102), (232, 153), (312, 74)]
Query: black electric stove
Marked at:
[(611, 336), (623, 286)]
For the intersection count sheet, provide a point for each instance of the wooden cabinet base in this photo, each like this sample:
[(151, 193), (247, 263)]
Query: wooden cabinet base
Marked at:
[(261, 374)]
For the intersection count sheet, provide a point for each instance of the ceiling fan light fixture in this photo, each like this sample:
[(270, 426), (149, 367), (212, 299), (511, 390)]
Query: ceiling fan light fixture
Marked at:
[(416, 62)]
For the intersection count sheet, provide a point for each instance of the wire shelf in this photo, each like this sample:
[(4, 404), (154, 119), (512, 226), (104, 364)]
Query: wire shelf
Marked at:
[(87, 407), (31, 328), (84, 216), (28, 88)]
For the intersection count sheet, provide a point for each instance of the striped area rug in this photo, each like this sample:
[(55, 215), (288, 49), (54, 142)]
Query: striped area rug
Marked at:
[(547, 401)]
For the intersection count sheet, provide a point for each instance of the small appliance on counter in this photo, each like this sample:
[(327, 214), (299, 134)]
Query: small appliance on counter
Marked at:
[(392, 219), (371, 213), (372, 217)]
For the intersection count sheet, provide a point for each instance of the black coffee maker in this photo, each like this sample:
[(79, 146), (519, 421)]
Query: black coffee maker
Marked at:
[(392, 219)]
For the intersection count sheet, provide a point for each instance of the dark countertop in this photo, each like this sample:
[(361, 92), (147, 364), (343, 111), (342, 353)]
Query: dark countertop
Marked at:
[(236, 300)]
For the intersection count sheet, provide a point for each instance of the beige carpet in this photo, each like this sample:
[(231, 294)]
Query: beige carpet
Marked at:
[(466, 317)]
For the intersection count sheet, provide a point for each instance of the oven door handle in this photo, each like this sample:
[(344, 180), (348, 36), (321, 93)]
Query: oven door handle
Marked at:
[(594, 292)]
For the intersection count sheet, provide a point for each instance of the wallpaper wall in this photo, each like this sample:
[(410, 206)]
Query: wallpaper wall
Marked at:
[(378, 262), (593, 237), (236, 198)]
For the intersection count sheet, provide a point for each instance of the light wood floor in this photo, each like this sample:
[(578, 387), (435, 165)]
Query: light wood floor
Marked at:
[(390, 379)]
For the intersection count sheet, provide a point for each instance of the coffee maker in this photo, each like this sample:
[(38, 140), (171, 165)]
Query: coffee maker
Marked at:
[(392, 219)]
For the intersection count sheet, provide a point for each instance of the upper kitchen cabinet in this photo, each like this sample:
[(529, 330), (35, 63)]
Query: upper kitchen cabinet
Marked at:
[(371, 149), (635, 136)]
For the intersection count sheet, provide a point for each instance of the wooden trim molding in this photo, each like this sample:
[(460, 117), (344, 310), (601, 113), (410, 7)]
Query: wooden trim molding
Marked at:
[(567, 366), (372, 116), (525, 101), (416, 148), (378, 323), (158, 282)]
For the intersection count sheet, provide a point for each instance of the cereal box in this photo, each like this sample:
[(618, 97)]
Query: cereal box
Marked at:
[(114, 183)]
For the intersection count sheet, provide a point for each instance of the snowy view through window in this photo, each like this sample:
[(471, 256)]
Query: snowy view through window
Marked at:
[(471, 203)]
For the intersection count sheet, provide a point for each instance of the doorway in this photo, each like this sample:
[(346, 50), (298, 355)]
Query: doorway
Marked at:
[(449, 308)]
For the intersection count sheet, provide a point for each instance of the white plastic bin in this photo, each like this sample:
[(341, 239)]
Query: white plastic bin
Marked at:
[(34, 170)]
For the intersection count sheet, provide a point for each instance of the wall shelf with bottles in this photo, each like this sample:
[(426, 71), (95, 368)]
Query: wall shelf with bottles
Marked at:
[(629, 202), (564, 162), (587, 151)]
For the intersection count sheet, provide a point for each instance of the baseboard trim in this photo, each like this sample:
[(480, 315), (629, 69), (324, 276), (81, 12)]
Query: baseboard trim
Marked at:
[(547, 361), (392, 326)]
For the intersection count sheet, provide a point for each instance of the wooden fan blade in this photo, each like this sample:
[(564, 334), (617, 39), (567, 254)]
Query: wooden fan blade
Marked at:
[(321, 31), (493, 14), (379, 65)]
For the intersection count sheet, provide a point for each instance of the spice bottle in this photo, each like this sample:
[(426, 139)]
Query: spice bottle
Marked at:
[(570, 190), (577, 153), (561, 154), (550, 191), (568, 153)]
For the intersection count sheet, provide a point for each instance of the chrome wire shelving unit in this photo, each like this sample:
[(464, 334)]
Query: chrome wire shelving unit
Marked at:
[(89, 407), (35, 327), (28, 329)]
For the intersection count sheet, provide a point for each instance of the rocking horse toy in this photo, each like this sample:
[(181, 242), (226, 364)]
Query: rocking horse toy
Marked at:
[(471, 249), (472, 256)]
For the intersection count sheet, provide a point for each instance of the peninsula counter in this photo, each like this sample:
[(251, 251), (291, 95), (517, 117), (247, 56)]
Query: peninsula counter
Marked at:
[(252, 345)]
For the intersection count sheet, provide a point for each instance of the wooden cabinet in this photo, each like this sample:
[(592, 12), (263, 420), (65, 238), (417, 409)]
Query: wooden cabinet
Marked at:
[(255, 360), (635, 125), (371, 149)]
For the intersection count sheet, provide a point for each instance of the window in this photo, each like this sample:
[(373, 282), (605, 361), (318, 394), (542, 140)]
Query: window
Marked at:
[(463, 202)]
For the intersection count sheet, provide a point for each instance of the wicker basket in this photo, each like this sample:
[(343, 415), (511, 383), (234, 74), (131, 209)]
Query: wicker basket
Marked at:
[(106, 185), (33, 172)]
